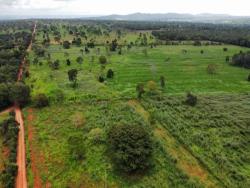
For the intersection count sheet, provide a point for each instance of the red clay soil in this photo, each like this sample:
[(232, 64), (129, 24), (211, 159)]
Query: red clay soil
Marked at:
[(21, 179), (33, 154)]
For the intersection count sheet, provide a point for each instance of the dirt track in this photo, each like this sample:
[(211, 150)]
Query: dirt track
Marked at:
[(21, 180)]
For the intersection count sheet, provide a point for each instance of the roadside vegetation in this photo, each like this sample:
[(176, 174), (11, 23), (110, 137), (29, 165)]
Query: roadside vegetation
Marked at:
[(125, 104)]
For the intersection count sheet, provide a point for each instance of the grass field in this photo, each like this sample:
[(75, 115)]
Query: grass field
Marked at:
[(183, 72), (201, 146)]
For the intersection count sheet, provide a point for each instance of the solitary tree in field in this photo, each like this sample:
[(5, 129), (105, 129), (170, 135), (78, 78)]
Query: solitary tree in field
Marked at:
[(79, 60), (66, 44), (68, 62), (131, 148), (72, 74), (103, 60), (110, 73)]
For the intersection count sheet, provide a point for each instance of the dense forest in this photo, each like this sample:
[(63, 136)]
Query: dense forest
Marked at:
[(14, 39)]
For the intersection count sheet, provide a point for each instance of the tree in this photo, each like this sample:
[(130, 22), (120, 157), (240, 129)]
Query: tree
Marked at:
[(113, 45), (103, 60), (55, 65), (162, 80), (191, 99), (72, 74), (41, 100), (152, 86), (20, 93), (202, 51), (66, 44), (68, 62), (4, 96), (248, 78), (79, 60), (225, 49), (101, 79), (131, 148), (140, 90), (227, 58), (110, 73)]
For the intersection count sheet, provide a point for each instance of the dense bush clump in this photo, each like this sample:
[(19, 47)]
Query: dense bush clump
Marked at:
[(131, 148), (41, 100), (241, 60), (191, 99)]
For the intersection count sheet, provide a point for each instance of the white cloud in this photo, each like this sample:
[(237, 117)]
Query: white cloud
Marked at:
[(239, 7)]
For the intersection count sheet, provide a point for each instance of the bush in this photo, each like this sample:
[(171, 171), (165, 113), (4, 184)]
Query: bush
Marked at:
[(102, 59), (248, 78), (101, 79), (66, 44), (131, 148), (241, 60), (20, 93), (41, 101), (191, 99), (211, 69), (110, 73), (96, 136)]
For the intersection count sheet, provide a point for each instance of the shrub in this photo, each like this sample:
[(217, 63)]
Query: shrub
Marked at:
[(211, 69), (66, 44), (41, 101), (191, 99), (102, 59), (248, 78), (96, 136), (110, 73), (225, 49), (241, 60), (131, 148), (101, 79)]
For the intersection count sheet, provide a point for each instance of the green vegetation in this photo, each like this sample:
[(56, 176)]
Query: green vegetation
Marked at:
[(9, 132), (128, 110)]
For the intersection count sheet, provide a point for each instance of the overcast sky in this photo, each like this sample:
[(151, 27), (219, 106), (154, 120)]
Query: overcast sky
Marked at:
[(105, 7)]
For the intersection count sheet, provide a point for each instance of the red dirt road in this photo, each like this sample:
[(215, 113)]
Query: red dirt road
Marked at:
[(21, 179), (34, 156)]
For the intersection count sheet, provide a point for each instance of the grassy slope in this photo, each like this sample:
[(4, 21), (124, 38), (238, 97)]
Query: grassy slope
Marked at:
[(184, 72)]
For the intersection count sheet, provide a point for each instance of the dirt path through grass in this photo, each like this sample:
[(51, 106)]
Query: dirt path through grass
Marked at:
[(184, 159)]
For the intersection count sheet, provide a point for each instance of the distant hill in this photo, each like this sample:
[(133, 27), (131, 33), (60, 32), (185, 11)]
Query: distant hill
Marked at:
[(210, 18)]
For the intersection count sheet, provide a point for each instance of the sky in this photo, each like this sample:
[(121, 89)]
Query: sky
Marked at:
[(107, 7)]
